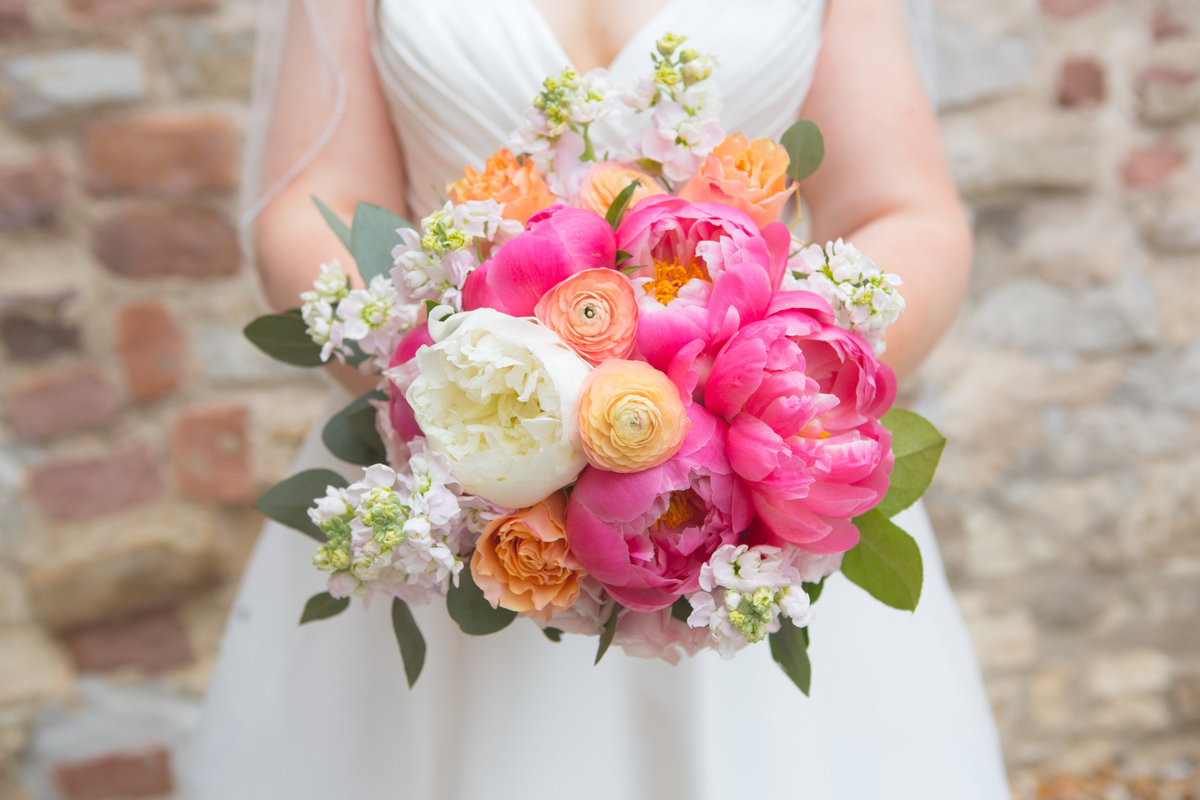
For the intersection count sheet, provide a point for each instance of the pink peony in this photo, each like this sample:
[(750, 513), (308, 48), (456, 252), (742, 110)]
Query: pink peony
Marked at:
[(645, 535), (803, 398), (401, 372), (557, 243)]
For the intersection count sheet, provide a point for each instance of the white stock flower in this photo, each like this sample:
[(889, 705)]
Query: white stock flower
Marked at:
[(319, 310), (497, 395)]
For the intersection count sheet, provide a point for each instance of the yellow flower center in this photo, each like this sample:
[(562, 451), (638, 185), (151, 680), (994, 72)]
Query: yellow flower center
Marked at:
[(683, 507), (670, 277)]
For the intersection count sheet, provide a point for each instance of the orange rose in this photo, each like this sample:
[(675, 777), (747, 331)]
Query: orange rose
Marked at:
[(749, 176), (594, 312), (522, 562), (631, 417), (607, 179), (507, 179)]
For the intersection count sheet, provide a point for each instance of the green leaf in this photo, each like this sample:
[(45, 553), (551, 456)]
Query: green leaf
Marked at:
[(617, 209), (340, 228), (288, 502), (323, 606), (886, 562), (408, 636), (471, 610), (553, 634), (351, 436), (918, 448), (622, 257), (681, 609), (789, 648), (805, 148), (610, 630), (813, 590), (373, 238), (283, 337)]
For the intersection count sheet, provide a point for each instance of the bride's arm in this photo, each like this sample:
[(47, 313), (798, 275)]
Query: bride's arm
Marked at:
[(361, 162), (884, 184)]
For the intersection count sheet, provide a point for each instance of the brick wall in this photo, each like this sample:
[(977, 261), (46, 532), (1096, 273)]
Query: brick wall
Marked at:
[(136, 427)]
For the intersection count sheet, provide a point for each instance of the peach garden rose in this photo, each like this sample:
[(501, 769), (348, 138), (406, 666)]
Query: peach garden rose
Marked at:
[(748, 175), (608, 179), (511, 180), (522, 561)]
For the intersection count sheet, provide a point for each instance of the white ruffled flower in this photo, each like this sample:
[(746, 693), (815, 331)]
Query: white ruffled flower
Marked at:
[(589, 612), (497, 395), (743, 591), (863, 297)]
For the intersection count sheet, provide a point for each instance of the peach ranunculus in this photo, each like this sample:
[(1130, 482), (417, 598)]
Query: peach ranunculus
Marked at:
[(522, 561), (607, 179), (631, 417), (594, 312), (511, 180), (749, 176)]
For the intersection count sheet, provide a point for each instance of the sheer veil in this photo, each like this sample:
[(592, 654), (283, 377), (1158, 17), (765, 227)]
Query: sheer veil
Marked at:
[(306, 35)]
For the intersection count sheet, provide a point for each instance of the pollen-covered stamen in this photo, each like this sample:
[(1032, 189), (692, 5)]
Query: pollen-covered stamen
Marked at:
[(670, 277)]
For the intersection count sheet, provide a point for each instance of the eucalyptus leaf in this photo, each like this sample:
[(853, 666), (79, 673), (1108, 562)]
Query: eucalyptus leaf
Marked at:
[(789, 648), (408, 636), (918, 447), (805, 147), (471, 610), (553, 634), (351, 436), (607, 635), (886, 562), (323, 606), (373, 238), (617, 209), (335, 222), (284, 338), (288, 501)]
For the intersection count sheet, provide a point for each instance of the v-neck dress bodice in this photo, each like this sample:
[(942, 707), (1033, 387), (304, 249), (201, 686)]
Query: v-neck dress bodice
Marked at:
[(459, 73)]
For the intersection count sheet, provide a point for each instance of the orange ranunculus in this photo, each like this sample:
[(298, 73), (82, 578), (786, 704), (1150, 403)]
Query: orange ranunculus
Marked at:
[(607, 179), (522, 562), (749, 176), (631, 417), (507, 179), (594, 312)]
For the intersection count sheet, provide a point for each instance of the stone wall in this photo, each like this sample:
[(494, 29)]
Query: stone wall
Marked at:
[(137, 427)]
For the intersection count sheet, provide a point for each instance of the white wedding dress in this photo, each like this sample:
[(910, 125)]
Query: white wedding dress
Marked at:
[(322, 710)]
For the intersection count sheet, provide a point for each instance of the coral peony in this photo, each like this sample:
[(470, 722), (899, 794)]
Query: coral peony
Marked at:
[(522, 561), (510, 180), (749, 176)]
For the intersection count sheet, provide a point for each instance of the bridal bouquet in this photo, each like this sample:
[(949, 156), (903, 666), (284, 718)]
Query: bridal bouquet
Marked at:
[(616, 395)]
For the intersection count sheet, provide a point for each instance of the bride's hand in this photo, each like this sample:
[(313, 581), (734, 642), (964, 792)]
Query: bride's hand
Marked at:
[(884, 184)]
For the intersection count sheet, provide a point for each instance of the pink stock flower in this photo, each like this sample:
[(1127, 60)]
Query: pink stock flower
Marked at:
[(657, 634), (803, 399), (557, 243), (645, 535)]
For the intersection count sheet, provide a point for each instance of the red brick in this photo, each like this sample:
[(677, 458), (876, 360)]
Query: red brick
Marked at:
[(153, 241), (117, 8), (168, 155), (210, 451), (1081, 83), (34, 326), (152, 350), (80, 488), (1065, 9), (1152, 166), (153, 643), (1165, 25), (31, 193), (14, 19), (61, 403), (145, 773)]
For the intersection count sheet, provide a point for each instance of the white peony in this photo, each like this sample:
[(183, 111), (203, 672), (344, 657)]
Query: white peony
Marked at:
[(498, 395)]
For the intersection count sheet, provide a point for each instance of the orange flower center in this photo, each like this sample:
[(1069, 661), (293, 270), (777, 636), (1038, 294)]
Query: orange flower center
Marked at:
[(670, 277), (683, 507)]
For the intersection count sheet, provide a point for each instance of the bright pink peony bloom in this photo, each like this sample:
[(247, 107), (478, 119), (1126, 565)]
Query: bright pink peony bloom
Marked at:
[(708, 271), (803, 400), (645, 535), (557, 243), (404, 424)]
